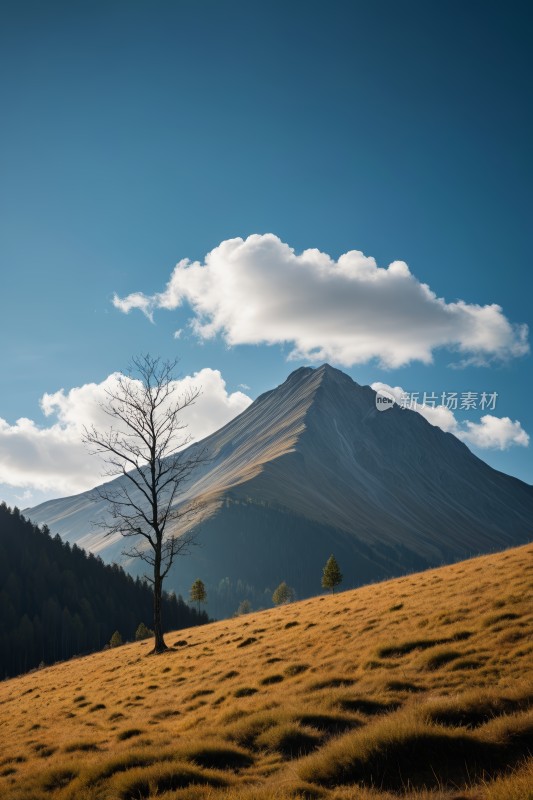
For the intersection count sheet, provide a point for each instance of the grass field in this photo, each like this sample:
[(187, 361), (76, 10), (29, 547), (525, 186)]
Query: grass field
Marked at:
[(419, 687)]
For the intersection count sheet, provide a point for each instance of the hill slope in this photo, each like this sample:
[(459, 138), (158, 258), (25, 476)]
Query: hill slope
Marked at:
[(312, 467), (420, 682)]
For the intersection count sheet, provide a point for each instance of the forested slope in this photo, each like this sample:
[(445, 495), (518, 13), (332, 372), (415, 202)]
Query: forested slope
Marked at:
[(57, 601)]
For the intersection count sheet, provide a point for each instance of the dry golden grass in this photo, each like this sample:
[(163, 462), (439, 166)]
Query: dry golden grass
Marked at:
[(419, 687)]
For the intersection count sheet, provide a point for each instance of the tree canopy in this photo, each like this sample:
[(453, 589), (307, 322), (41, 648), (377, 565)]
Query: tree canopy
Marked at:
[(282, 594), (331, 574), (198, 593)]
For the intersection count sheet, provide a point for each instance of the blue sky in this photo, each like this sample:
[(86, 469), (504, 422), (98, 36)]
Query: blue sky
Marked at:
[(137, 134)]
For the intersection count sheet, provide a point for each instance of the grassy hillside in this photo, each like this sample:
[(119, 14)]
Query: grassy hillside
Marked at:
[(418, 686)]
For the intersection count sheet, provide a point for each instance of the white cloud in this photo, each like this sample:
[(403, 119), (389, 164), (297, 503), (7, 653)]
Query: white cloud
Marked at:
[(53, 459), (489, 433), (135, 300), (495, 432), (259, 291)]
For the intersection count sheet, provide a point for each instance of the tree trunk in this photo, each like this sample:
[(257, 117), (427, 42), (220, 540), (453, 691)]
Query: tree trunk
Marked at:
[(159, 644)]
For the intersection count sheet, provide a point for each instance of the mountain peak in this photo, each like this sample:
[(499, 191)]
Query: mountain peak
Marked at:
[(302, 371), (298, 374), (326, 371), (323, 371)]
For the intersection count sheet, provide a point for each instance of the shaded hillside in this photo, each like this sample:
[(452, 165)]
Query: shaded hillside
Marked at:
[(313, 464), (56, 601), (256, 546), (420, 683)]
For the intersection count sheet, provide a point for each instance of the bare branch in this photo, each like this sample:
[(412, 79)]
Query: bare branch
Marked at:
[(145, 447)]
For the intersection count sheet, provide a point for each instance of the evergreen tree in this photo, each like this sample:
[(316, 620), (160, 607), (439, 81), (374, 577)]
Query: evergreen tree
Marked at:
[(58, 601), (283, 594), (116, 640), (331, 574), (198, 593), (244, 607), (143, 632)]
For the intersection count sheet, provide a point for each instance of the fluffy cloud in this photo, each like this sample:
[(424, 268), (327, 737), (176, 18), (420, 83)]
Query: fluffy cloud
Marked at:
[(53, 459), (489, 433), (494, 432), (259, 291)]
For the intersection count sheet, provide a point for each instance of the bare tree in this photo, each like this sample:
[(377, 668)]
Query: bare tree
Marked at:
[(144, 445)]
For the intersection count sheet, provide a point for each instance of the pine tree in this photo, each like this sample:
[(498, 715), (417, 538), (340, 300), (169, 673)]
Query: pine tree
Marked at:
[(198, 593), (143, 632), (116, 640), (244, 607), (57, 601), (331, 574), (283, 594)]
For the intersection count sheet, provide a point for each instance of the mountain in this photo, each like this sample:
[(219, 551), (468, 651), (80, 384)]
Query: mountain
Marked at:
[(57, 601), (312, 468)]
